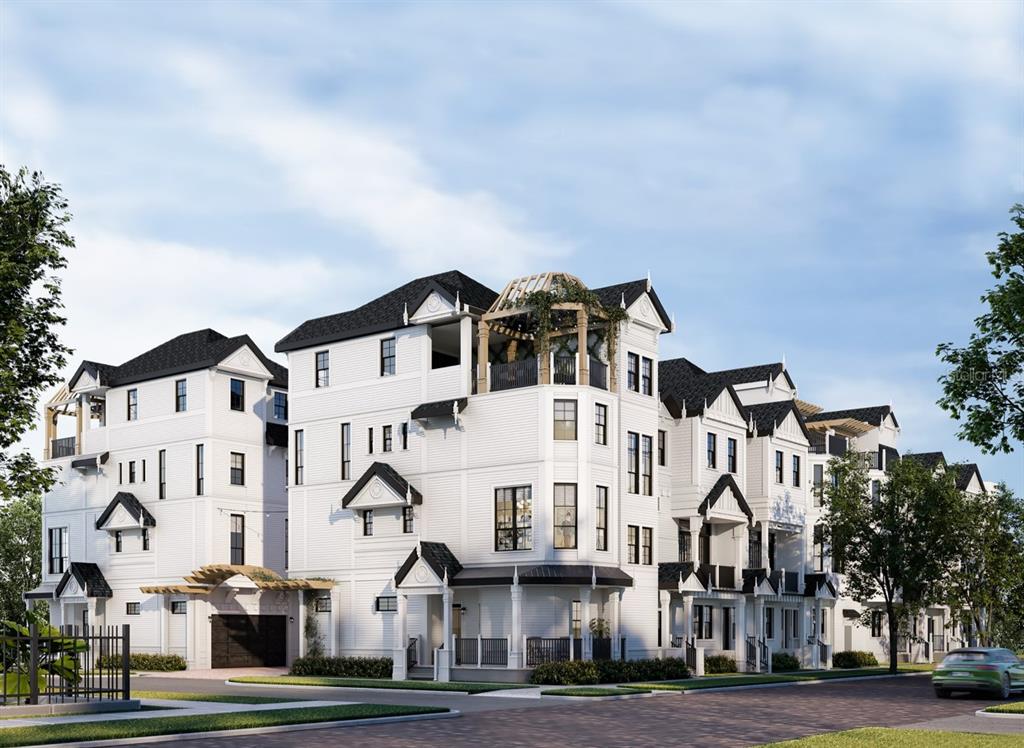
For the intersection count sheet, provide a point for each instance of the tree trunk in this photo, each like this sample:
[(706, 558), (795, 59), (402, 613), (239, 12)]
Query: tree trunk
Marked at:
[(890, 614)]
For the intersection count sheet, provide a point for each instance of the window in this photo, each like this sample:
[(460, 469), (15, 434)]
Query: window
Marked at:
[(387, 438), (346, 451), (712, 450), (131, 471), (179, 607), (118, 541), (661, 448), (647, 546), (778, 467), (876, 623), (323, 368), (703, 622), (576, 620), (633, 544), (300, 457), (407, 520), (818, 549), (633, 372), (322, 605), (161, 474), (819, 481), (730, 455), (199, 470), (237, 538), (281, 406), (286, 541), (824, 621), (513, 519), (387, 604), (120, 472), (145, 538), (133, 405), (685, 544), (646, 376), (387, 357), (58, 537), (143, 471), (237, 469), (796, 471), (565, 420), (405, 435), (648, 467), (565, 515), (237, 394), (633, 466), (601, 521), (876, 491), (180, 396), (704, 544), (369, 440), (769, 623), (367, 523), (132, 609), (600, 424)]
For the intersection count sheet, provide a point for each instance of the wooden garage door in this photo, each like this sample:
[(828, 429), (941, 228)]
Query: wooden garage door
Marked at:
[(247, 641)]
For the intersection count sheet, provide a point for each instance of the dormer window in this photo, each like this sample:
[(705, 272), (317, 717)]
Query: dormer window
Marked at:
[(323, 368), (133, 405), (237, 394), (387, 357)]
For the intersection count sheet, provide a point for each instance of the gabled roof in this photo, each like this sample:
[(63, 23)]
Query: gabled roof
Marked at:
[(391, 477), (724, 482), (132, 505), (818, 581), (767, 416), (629, 292), (89, 578), (439, 408), (437, 556), (749, 374), (965, 472), (387, 312), (752, 578), (682, 383), (930, 460), (873, 415), (276, 435), (669, 573), (192, 351)]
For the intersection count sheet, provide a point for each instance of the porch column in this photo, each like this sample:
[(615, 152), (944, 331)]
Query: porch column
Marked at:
[(588, 645), (614, 602), (764, 546), (446, 658), (802, 628), (583, 366), (665, 597), (466, 355), (688, 617), (165, 605), (758, 631), (741, 552), (482, 357), (696, 522), (302, 624), (515, 659), (399, 655), (741, 626)]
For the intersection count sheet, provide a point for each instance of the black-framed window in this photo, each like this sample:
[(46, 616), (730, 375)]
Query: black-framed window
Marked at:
[(576, 619), (601, 520), (600, 423), (386, 604), (703, 622), (237, 539), (143, 471), (237, 469), (796, 471), (322, 604), (876, 624), (58, 545), (730, 455), (133, 609), (133, 405), (145, 538), (300, 457), (633, 544), (180, 396), (646, 376), (200, 470), (662, 448), (387, 357), (346, 451), (179, 607), (513, 518), (131, 471), (685, 543), (286, 542), (407, 520), (323, 368), (405, 435), (646, 546), (565, 515), (778, 467), (118, 541), (386, 438), (633, 372), (120, 472), (704, 544), (769, 622), (367, 523), (712, 444), (818, 549), (647, 464), (818, 481), (281, 406), (565, 420), (369, 440), (633, 461), (237, 394)]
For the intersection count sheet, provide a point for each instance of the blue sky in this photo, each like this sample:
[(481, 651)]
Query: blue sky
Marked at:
[(819, 180)]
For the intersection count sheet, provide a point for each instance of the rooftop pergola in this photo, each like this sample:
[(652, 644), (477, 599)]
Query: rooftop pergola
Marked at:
[(206, 579)]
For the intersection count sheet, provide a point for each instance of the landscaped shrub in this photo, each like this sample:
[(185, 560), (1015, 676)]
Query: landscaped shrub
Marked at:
[(719, 664), (575, 673), (783, 661), (343, 667), (144, 661), (853, 658), (590, 672)]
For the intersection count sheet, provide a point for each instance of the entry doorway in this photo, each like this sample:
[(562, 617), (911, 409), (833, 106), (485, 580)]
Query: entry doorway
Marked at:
[(728, 628)]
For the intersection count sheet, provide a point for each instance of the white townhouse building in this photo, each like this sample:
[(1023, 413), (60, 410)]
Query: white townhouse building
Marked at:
[(171, 489)]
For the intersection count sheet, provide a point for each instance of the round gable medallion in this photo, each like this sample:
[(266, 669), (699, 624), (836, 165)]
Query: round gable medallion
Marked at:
[(244, 359), (645, 307), (421, 574), (376, 490), (433, 303)]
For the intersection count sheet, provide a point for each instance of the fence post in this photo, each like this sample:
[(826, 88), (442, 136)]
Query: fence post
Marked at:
[(479, 651), (33, 664), (126, 684)]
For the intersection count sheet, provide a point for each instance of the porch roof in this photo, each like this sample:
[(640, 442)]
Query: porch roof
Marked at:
[(716, 492), (818, 585), (439, 409), (87, 462), (89, 578), (577, 574)]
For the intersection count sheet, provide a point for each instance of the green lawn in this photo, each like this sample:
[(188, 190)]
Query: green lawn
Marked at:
[(742, 679), (128, 729), (217, 697), (594, 691), (422, 685), (870, 737), (1016, 707)]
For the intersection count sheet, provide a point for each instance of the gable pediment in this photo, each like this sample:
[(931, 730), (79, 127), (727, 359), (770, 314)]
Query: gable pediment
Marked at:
[(421, 576), (72, 589), (376, 493), (245, 361), (728, 505), (120, 519), (433, 306), (643, 311), (724, 406)]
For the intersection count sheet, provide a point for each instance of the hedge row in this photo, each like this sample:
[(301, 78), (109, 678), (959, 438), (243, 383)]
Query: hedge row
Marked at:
[(591, 672), (783, 662), (144, 661), (853, 659), (343, 667), (714, 664)]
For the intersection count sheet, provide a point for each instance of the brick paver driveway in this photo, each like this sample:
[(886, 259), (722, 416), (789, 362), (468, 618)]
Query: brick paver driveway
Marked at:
[(738, 718)]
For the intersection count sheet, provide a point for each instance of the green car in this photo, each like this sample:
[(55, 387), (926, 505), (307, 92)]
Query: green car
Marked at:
[(988, 669)]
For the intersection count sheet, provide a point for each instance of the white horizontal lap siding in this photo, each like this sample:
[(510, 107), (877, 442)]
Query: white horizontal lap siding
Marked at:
[(502, 427), (546, 611), (145, 627), (174, 537), (638, 616), (374, 631), (355, 362), (440, 517), (322, 530), (445, 383), (191, 426), (354, 401)]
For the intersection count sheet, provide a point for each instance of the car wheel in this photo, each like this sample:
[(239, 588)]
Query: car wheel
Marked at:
[(1004, 686), (942, 693)]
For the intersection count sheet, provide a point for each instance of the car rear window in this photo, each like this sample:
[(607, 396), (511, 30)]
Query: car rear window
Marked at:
[(964, 658)]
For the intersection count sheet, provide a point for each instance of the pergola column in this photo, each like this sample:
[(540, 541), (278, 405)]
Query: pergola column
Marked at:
[(482, 357), (583, 366)]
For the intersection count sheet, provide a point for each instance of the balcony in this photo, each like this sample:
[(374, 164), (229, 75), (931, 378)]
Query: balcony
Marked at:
[(727, 577), (526, 373), (513, 375), (62, 447)]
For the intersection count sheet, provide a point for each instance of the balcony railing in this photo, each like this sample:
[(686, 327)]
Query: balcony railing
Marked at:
[(514, 374), (563, 370), (62, 447), (540, 650), (598, 374)]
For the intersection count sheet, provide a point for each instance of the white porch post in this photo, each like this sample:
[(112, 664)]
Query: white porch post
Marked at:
[(399, 661), (445, 658), (802, 629), (466, 355), (816, 634), (165, 604), (587, 653), (614, 601), (764, 546), (688, 617), (741, 626), (516, 654), (758, 631), (302, 624), (665, 597)]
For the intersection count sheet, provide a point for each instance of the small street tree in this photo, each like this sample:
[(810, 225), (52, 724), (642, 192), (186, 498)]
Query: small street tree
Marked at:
[(897, 548)]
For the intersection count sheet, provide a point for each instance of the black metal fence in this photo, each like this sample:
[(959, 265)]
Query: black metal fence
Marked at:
[(494, 652), (69, 664), (515, 374), (540, 650), (410, 652), (64, 447), (598, 374), (691, 655), (565, 370)]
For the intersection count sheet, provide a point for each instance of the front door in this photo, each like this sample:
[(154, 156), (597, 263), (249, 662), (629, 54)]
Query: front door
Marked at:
[(457, 621), (728, 625)]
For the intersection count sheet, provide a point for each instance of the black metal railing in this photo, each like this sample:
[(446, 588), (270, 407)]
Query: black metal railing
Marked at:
[(676, 641), (62, 447), (514, 374), (727, 577), (837, 445), (540, 650), (577, 649), (762, 646), (466, 651), (598, 374), (410, 652), (564, 370), (601, 648), (69, 664), (494, 652), (817, 444), (939, 642), (822, 653), (792, 582), (691, 655), (751, 653)]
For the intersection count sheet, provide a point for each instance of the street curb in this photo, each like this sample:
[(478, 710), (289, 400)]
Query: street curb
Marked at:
[(998, 715), (616, 697), (454, 713), (817, 682), (353, 688)]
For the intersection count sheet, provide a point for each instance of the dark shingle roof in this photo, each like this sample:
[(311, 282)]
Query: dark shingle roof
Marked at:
[(682, 383), (89, 578), (817, 581), (439, 408), (132, 505), (386, 312), (192, 351), (767, 416), (724, 482), (630, 292), (574, 574), (438, 556), (749, 374), (930, 460), (873, 415), (965, 472), (390, 476), (670, 571)]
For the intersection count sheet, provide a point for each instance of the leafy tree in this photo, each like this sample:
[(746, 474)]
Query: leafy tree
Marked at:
[(985, 387), (897, 548), (21, 520)]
